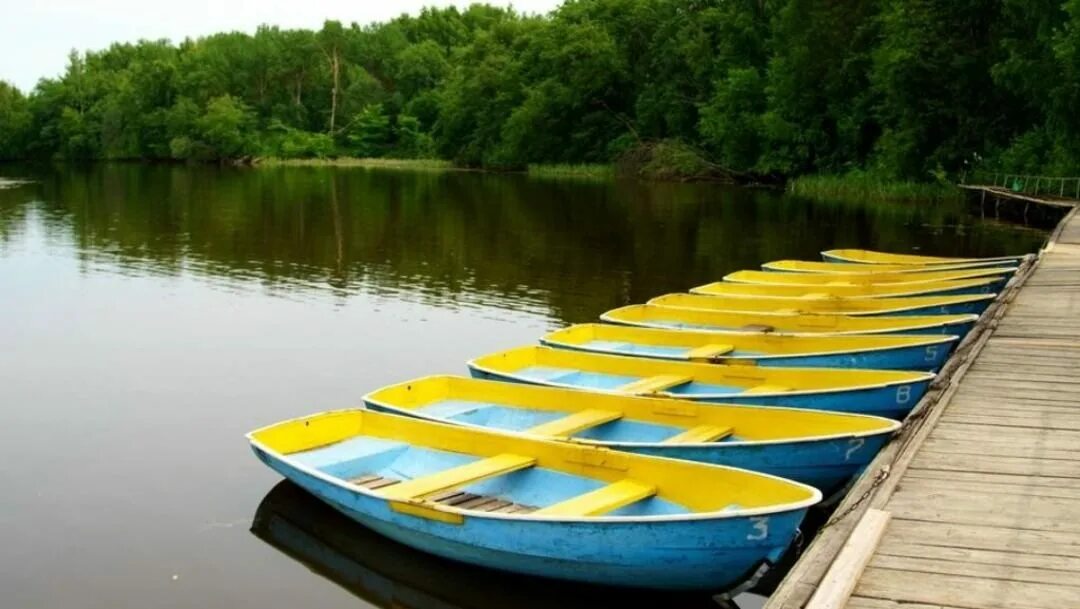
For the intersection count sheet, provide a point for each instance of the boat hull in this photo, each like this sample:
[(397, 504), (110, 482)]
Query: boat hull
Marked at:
[(928, 358), (826, 464), (889, 401), (871, 257), (706, 553)]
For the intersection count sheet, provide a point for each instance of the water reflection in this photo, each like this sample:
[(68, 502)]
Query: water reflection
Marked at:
[(569, 249), (389, 575)]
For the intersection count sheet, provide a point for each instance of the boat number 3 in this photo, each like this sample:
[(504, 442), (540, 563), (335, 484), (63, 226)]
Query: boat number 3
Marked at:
[(761, 528), (931, 353), (903, 394), (854, 445)]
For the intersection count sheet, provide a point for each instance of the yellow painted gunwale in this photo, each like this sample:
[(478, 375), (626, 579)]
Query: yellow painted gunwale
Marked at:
[(771, 345), (872, 291), (810, 305), (799, 381), (753, 424), (844, 268), (819, 279), (874, 257), (702, 489), (787, 324)]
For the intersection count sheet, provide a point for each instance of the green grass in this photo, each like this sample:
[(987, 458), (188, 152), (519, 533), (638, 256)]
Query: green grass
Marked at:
[(585, 170), (411, 164), (858, 186)]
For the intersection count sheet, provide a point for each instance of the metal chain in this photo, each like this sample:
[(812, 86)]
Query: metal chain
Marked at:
[(881, 476)]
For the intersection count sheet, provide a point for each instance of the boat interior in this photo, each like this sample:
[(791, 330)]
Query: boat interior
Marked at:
[(429, 469)]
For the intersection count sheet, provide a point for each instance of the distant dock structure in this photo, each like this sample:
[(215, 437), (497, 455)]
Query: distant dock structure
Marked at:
[(974, 505)]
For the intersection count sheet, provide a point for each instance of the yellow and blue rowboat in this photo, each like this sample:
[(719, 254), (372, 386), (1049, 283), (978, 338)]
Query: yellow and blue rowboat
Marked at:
[(819, 280), (385, 574), (969, 304), (674, 318), (885, 393), (842, 269), (822, 449), (550, 509), (896, 290), (885, 352), (874, 257)]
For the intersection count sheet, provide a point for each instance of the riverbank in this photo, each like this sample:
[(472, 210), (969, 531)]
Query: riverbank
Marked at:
[(582, 170), (863, 187)]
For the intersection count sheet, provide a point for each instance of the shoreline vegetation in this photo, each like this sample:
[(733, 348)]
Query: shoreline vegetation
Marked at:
[(652, 89)]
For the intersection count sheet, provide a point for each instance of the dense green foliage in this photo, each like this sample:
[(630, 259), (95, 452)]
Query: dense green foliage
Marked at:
[(903, 89)]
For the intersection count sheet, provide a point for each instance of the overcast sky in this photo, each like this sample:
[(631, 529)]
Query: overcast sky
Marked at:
[(36, 35)]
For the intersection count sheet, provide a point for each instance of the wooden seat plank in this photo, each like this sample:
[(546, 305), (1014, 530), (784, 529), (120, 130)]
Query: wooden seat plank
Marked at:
[(761, 389), (460, 476), (710, 351), (601, 500), (655, 384), (579, 421), (701, 433)]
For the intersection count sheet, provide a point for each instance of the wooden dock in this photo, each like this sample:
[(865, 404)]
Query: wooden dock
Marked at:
[(977, 503)]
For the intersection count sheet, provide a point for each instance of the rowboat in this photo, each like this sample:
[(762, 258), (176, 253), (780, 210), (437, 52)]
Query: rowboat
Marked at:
[(921, 305), (386, 574), (884, 352), (895, 290), (874, 257), (876, 270), (886, 393), (551, 509), (654, 316), (817, 280), (822, 449)]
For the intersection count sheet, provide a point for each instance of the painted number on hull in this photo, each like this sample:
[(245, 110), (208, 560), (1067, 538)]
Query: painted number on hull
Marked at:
[(761, 528), (853, 447), (931, 353), (903, 394)]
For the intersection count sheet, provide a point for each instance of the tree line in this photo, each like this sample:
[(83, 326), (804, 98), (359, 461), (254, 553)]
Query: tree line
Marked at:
[(900, 88)]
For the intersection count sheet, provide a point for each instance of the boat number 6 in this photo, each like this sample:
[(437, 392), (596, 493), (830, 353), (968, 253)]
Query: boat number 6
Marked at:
[(931, 353), (854, 445), (761, 528), (903, 394)]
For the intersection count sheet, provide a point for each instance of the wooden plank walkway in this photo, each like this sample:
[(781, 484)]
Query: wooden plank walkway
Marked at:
[(1005, 193), (983, 488)]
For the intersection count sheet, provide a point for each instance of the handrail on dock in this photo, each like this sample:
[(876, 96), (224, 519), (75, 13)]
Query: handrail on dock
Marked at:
[(1064, 187)]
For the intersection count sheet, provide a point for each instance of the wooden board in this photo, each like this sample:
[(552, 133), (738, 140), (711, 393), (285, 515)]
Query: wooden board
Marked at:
[(985, 491)]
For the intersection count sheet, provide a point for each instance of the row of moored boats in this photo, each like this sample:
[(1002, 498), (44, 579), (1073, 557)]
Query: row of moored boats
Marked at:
[(677, 446)]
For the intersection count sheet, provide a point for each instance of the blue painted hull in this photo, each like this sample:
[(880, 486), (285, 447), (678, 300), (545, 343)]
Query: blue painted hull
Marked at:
[(826, 464), (960, 308), (891, 402), (960, 329), (710, 553), (1008, 261), (929, 358)]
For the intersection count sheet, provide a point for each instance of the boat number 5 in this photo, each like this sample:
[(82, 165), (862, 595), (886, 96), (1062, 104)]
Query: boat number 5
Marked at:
[(931, 353), (903, 394), (854, 445), (761, 528)]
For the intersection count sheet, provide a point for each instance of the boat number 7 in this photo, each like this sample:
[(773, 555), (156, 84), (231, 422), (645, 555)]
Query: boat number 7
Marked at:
[(931, 353), (854, 445), (761, 528), (903, 394)]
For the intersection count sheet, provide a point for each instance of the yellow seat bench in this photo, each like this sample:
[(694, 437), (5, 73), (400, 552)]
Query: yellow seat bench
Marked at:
[(701, 433), (601, 501), (760, 389), (654, 384), (458, 476), (567, 426), (708, 352)]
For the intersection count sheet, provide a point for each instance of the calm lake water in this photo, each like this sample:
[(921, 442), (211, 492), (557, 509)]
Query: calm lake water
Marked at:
[(149, 316)]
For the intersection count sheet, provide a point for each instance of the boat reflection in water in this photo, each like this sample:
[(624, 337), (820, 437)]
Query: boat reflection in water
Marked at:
[(387, 574)]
